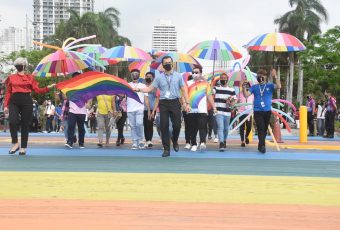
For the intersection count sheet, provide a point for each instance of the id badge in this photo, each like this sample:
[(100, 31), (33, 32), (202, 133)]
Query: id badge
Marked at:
[(167, 94), (262, 104)]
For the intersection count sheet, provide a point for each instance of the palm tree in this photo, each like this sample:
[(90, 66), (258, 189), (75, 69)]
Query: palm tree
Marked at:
[(303, 22)]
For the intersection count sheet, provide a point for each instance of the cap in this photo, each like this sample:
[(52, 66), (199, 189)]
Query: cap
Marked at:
[(20, 61)]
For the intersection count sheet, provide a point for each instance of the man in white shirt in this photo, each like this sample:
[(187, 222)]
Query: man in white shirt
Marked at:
[(49, 113), (135, 111)]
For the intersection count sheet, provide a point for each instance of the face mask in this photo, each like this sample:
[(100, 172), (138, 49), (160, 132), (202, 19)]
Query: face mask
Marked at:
[(20, 68), (223, 82), (260, 79), (167, 67), (148, 80), (196, 76), (135, 76), (308, 97)]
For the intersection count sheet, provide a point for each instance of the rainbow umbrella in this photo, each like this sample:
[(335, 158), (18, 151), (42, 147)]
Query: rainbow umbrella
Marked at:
[(275, 42), (182, 62), (126, 53), (91, 84), (215, 74), (63, 62), (143, 67), (215, 50), (236, 77), (95, 53)]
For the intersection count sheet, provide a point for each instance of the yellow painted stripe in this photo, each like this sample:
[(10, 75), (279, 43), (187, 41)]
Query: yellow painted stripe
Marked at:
[(170, 187)]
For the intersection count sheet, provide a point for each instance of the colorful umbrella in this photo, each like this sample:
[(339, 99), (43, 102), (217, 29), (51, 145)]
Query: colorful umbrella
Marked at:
[(235, 78), (215, 50), (126, 53), (182, 62), (275, 42), (95, 53), (63, 62), (215, 74), (143, 67), (91, 84)]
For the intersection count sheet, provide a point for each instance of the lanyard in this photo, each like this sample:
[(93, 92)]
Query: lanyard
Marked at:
[(262, 90), (168, 80)]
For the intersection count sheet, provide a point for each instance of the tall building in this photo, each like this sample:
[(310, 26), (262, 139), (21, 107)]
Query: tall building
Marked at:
[(14, 39), (164, 37), (49, 13)]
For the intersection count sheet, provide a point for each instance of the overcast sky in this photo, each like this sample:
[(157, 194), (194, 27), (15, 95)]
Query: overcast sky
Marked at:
[(236, 21)]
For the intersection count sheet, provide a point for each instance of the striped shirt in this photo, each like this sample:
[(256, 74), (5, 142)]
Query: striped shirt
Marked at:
[(221, 95)]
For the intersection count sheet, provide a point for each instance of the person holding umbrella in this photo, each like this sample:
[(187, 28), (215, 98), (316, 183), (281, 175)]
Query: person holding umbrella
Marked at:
[(170, 84), (19, 104), (263, 94)]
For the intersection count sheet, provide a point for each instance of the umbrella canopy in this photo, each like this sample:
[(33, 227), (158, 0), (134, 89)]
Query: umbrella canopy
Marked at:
[(126, 53), (91, 84), (182, 62), (275, 42), (215, 74), (215, 50), (235, 78), (95, 52), (63, 62), (143, 67)]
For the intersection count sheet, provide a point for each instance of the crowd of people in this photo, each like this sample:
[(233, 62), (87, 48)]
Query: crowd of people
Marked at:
[(166, 100)]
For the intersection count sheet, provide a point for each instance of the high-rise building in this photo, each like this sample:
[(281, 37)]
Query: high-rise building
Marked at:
[(49, 13), (164, 37), (15, 39)]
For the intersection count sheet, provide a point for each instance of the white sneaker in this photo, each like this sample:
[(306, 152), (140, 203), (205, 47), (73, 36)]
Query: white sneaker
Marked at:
[(194, 148), (202, 146), (141, 145), (68, 146), (216, 140), (148, 144), (187, 146), (134, 147)]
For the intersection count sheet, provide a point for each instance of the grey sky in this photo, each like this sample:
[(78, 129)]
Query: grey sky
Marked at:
[(235, 21)]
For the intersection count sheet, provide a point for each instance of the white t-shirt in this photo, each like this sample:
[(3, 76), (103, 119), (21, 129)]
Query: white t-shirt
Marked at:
[(198, 92), (321, 112), (131, 104), (50, 109)]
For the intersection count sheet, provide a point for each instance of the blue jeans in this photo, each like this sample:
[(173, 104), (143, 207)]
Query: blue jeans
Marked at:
[(136, 124), (222, 122)]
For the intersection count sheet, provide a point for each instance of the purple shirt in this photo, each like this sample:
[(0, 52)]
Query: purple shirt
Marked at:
[(331, 104), (310, 105)]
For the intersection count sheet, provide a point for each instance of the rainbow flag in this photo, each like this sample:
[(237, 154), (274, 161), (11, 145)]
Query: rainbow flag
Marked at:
[(86, 86), (196, 92)]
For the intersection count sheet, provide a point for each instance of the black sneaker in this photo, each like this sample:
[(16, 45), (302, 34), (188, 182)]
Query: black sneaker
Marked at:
[(82, 146), (221, 146), (262, 149), (225, 144), (100, 145), (243, 145), (247, 140)]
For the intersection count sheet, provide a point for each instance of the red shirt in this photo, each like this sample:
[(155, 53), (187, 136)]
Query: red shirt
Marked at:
[(16, 83)]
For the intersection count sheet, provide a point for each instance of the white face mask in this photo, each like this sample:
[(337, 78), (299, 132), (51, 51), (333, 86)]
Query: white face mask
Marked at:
[(196, 76)]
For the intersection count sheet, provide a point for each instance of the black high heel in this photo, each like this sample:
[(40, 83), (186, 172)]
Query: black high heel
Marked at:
[(13, 151)]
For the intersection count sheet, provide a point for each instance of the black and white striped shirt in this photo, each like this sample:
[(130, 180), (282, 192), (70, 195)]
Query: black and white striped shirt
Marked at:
[(221, 95)]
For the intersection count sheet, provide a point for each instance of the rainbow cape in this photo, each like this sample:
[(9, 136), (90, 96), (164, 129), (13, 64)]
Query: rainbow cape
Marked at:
[(196, 92), (91, 84)]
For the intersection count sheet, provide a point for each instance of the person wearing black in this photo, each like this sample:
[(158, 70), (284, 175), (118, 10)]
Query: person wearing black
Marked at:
[(310, 114), (35, 114), (170, 84), (263, 94), (120, 107), (149, 112), (331, 109), (19, 104)]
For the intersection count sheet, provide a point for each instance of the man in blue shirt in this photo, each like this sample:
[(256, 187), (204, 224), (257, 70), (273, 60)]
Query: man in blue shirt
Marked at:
[(263, 94), (170, 84)]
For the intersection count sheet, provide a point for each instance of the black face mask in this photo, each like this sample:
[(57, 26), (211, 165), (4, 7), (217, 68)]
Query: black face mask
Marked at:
[(260, 79), (148, 80), (223, 82), (167, 67), (20, 68)]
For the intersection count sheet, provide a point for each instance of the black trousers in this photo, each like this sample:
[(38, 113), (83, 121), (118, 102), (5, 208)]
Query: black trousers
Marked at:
[(310, 122), (329, 123), (186, 127), (262, 119), (35, 124), (120, 125), (20, 116), (172, 109), (198, 122), (148, 126), (73, 120), (49, 123), (245, 126), (211, 123)]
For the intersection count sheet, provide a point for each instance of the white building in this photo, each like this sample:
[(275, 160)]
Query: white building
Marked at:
[(164, 37), (49, 13), (14, 39)]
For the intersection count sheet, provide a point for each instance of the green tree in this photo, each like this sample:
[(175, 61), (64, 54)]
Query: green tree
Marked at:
[(303, 22)]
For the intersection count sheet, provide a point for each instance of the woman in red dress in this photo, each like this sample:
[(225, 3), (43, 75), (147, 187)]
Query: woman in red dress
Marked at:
[(19, 104)]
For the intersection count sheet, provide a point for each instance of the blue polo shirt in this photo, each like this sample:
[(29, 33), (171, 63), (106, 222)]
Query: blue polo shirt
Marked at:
[(169, 85), (268, 90)]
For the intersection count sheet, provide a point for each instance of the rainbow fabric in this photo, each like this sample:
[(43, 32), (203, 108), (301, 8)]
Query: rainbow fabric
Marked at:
[(91, 84), (197, 91)]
